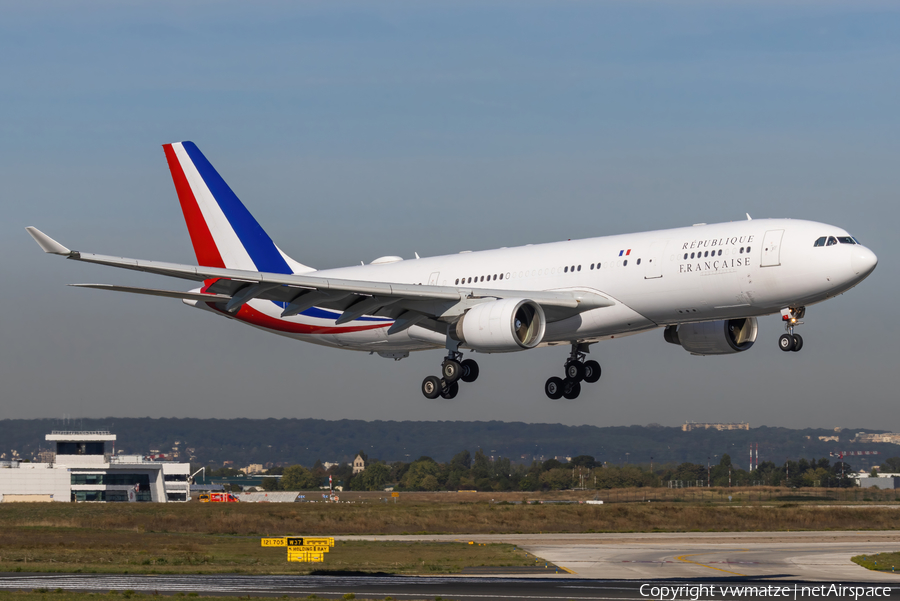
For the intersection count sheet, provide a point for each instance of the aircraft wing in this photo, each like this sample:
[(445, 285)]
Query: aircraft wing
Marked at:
[(354, 298)]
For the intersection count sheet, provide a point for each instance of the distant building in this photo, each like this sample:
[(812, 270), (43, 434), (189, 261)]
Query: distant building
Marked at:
[(359, 464), (889, 437), (82, 470), (828, 438), (688, 426), (253, 468)]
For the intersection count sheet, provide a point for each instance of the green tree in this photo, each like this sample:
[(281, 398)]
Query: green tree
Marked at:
[(891, 465), (584, 461), (297, 477), (419, 470), (375, 477)]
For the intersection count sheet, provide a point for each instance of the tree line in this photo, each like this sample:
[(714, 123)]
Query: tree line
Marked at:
[(483, 473)]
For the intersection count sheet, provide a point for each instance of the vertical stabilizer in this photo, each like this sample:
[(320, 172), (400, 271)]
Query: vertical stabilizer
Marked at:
[(222, 230)]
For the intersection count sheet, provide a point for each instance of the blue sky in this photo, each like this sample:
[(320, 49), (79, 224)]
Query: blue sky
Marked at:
[(354, 130)]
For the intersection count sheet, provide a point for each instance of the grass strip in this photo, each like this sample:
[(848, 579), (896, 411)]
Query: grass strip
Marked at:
[(880, 562), (271, 519), (46, 549)]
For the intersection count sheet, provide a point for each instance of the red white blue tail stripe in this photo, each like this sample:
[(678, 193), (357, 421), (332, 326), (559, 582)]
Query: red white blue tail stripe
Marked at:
[(223, 231), (225, 234)]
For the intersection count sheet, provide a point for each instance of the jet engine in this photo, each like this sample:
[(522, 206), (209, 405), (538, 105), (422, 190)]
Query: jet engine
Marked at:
[(501, 326), (722, 337)]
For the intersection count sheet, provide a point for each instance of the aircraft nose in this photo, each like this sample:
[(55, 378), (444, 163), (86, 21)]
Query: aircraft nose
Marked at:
[(863, 261)]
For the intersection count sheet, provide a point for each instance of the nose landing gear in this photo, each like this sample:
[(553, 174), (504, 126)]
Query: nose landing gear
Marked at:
[(791, 317), (453, 369), (577, 370)]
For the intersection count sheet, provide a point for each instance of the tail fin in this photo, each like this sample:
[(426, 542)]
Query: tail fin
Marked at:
[(223, 231)]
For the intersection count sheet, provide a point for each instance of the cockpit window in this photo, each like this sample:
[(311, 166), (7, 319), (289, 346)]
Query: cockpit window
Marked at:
[(846, 240), (831, 241), (820, 241), (856, 240)]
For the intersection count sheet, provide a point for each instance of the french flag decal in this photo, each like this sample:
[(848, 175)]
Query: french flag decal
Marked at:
[(625, 252)]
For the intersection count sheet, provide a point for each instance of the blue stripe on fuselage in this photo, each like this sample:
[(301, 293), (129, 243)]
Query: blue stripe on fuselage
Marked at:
[(257, 242), (325, 314)]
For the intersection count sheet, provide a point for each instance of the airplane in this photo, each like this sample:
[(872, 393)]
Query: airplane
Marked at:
[(704, 286)]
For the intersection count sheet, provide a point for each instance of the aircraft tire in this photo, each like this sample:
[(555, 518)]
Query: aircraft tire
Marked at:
[(786, 342), (450, 390), (469, 370), (571, 389), (575, 371), (451, 370), (798, 343), (553, 388), (431, 387), (591, 371)]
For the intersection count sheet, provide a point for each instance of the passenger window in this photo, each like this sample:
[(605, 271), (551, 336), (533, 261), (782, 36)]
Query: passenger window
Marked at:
[(592, 266), (720, 252), (579, 268), (685, 256), (495, 276), (831, 241), (742, 250), (638, 261), (566, 270), (625, 263), (501, 276), (457, 282), (692, 255), (820, 242), (706, 254)]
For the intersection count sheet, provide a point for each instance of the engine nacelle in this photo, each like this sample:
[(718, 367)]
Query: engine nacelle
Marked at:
[(502, 326), (722, 337)]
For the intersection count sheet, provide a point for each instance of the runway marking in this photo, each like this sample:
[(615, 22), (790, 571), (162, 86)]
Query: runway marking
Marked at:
[(566, 570), (682, 558)]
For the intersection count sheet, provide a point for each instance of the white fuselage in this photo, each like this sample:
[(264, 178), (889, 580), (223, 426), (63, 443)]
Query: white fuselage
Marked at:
[(666, 277)]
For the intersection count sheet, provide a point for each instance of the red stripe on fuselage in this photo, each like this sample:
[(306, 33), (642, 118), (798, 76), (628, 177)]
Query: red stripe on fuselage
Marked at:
[(204, 245), (250, 315)]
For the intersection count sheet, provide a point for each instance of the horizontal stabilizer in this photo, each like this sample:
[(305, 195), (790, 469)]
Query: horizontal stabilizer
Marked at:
[(197, 296), (47, 244)]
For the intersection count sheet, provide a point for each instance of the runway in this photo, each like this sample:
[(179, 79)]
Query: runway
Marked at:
[(806, 556), (413, 587), (602, 567)]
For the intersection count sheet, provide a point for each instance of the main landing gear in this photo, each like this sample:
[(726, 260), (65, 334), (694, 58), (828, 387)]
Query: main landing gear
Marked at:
[(453, 369), (577, 370), (791, 317)]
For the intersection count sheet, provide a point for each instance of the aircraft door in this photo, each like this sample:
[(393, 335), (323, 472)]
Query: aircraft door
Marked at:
[(433, 278), (771, 248), (654, 266)]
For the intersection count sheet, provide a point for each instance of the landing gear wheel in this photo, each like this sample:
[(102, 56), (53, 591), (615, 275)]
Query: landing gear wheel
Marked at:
[(450, 390), (798, 343), (591, 371), (554, 388), (571, 389), (786, 342), (451, 370), (469, 371), (431, 387), (575, 371)]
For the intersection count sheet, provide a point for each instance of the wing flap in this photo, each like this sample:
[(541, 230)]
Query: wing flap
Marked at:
[(198, 296)]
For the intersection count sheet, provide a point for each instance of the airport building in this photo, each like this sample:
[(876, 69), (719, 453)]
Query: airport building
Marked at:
[(83, 469)]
